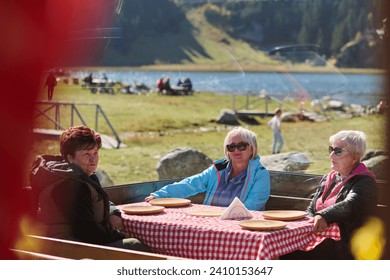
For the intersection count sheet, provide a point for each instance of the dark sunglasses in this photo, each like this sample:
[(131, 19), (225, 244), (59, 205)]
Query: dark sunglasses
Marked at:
[(240, 146), (336, 150)]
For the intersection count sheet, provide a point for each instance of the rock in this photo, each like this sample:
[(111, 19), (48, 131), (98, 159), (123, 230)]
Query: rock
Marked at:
[(377, 166), (357, 110), (373, 153), (289, 117), (104, 178), (182, 162), (335, 105), (305, 116), (292, 161), (247, 119), (228, 117), (315, 117)]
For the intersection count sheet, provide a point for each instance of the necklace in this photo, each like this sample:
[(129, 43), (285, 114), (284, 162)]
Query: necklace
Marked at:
[(340, 178)]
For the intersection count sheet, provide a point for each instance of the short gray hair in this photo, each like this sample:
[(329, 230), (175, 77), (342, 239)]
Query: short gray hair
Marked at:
[(354, 139), (247, 135)]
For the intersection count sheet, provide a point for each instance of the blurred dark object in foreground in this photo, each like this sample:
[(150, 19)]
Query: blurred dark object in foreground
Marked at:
[(35, 38)]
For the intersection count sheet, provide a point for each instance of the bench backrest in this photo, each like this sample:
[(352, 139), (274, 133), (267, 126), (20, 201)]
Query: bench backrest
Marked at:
[(282, 184), (280, 202)]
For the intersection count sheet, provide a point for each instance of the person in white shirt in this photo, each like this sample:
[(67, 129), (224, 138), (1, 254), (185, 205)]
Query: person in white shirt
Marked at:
[(275, 124)]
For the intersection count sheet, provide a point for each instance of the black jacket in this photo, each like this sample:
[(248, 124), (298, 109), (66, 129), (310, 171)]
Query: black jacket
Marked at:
[(71, 205), (356, 201)]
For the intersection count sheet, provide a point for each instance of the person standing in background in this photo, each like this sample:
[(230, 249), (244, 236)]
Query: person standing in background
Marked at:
[(275, 125), (51, 82)]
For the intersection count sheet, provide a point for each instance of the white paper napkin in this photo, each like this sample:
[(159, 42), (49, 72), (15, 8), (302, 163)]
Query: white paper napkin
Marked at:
[(236, 211)]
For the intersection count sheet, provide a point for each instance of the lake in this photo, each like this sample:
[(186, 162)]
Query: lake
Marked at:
[(363, 89)]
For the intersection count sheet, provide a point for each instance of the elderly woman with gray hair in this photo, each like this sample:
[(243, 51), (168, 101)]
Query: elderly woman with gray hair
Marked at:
[(240, 174), (346, 196)]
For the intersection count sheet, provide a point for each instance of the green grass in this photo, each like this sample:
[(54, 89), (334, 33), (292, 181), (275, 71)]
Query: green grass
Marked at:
[(152, 125)]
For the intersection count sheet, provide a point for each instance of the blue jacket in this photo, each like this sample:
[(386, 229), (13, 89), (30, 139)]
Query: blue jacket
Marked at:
[(254, 195)]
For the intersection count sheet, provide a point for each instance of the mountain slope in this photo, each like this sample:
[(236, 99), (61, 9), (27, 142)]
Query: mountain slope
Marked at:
[(230, 35), (196, 43)]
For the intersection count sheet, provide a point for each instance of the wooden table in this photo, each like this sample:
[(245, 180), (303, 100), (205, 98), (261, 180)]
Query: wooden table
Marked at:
[(176, 232)]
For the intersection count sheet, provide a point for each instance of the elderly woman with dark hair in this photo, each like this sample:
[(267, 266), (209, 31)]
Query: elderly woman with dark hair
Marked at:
[(240, 175), (346, 196), (71, 202)]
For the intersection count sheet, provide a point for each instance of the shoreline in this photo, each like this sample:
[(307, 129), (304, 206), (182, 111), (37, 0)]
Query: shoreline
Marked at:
[(224, 68), (190, 68)]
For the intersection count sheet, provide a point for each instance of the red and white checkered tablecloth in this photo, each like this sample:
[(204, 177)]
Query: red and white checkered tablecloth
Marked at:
[(175, 232)]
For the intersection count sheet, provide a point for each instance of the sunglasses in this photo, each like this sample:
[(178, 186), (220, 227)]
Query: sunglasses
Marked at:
[(336, 150), (240, 146)]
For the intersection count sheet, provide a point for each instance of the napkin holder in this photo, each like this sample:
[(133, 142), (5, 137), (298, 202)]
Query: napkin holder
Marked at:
[(236, 211)]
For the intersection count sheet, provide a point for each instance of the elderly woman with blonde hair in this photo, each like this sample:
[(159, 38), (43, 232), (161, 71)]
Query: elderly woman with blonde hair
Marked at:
[(345, 196), (240, 174)]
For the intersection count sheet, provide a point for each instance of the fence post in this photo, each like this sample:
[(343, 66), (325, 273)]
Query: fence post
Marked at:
[(57, 116), (109, 124), (96, 117), (72, 115)]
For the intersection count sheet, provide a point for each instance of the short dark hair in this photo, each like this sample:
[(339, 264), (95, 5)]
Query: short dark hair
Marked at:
[(78, 138)]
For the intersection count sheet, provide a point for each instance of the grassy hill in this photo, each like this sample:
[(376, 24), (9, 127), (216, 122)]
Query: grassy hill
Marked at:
[(221, 48)]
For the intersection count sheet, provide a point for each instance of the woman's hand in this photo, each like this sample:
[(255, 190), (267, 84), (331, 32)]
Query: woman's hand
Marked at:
[(116, 222), (320, 224), (149, 198)]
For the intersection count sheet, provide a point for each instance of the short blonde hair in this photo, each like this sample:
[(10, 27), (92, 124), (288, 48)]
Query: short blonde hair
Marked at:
[(247, 135), (354, 139)]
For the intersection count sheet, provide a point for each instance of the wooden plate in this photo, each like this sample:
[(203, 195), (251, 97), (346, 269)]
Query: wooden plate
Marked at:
[(284, 215), (170, 202), (262, 224), (142, 210), (207, 213)]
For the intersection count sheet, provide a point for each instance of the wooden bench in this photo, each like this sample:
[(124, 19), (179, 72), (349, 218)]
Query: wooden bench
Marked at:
[(289, 203), (282, 184), (41, 247), (27, 255)]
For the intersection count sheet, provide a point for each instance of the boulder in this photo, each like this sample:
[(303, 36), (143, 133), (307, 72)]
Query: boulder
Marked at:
[(373, 153), (182, 162), (377, 166), (335, 105), (228, 117), (289, 117), (315, 117), (305, 116), (292, 162), (104, 178)]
